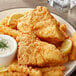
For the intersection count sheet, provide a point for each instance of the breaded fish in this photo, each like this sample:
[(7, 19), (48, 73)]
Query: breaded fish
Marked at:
[(18, 70), (12, 74), (4, 21), (9, 31), (43, 24), (32, 51), (53, 71), (63, 28)]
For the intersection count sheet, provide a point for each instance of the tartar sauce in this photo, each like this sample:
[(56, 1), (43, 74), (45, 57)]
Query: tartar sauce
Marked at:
[(6, 45)]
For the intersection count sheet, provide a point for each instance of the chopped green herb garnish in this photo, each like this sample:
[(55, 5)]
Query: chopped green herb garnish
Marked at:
[(3, 43)]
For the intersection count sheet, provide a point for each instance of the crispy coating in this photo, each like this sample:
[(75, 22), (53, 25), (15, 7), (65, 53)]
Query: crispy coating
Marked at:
[(5, 23), (53, 71), (24, 69), (45, 69), (63, 28), (22, 27), (20, 70), (12, 74), (73, 52), (32, 51), (43, 24), (1, 33), (9, 31)]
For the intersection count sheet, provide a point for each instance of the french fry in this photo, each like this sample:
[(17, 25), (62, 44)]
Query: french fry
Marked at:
[(73, 53)]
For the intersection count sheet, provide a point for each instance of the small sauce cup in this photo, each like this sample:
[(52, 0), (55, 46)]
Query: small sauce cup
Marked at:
[(7, 58)]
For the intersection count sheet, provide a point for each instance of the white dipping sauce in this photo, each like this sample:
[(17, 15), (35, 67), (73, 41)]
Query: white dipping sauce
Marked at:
[(8, 49), (10, 45)]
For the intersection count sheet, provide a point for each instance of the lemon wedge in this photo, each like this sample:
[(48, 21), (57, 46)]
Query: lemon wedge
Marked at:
[(14, 17), (3, 69), (66, 46)]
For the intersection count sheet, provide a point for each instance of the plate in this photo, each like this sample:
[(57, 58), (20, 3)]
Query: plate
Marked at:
[(71, 65)]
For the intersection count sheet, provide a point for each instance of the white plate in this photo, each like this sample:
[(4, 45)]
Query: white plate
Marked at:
[(71, 65)]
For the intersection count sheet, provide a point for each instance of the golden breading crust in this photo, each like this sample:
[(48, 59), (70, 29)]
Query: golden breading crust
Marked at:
[(53, 71), (24, 69), (32, 51), (43, 24), (5, 23), (9, 31), (63, 28), (18, 70), (12, 74)]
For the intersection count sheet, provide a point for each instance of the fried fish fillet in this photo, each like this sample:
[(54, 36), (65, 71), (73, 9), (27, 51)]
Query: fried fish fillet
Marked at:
[(48, 73), (63, 28), (32, 51), (4, 21), (53, 71), (9, 31), (43, 24), (18, 70), (12, 74)]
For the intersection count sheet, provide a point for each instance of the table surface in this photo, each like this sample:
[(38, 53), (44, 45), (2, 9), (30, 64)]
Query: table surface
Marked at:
[(8, 4)]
